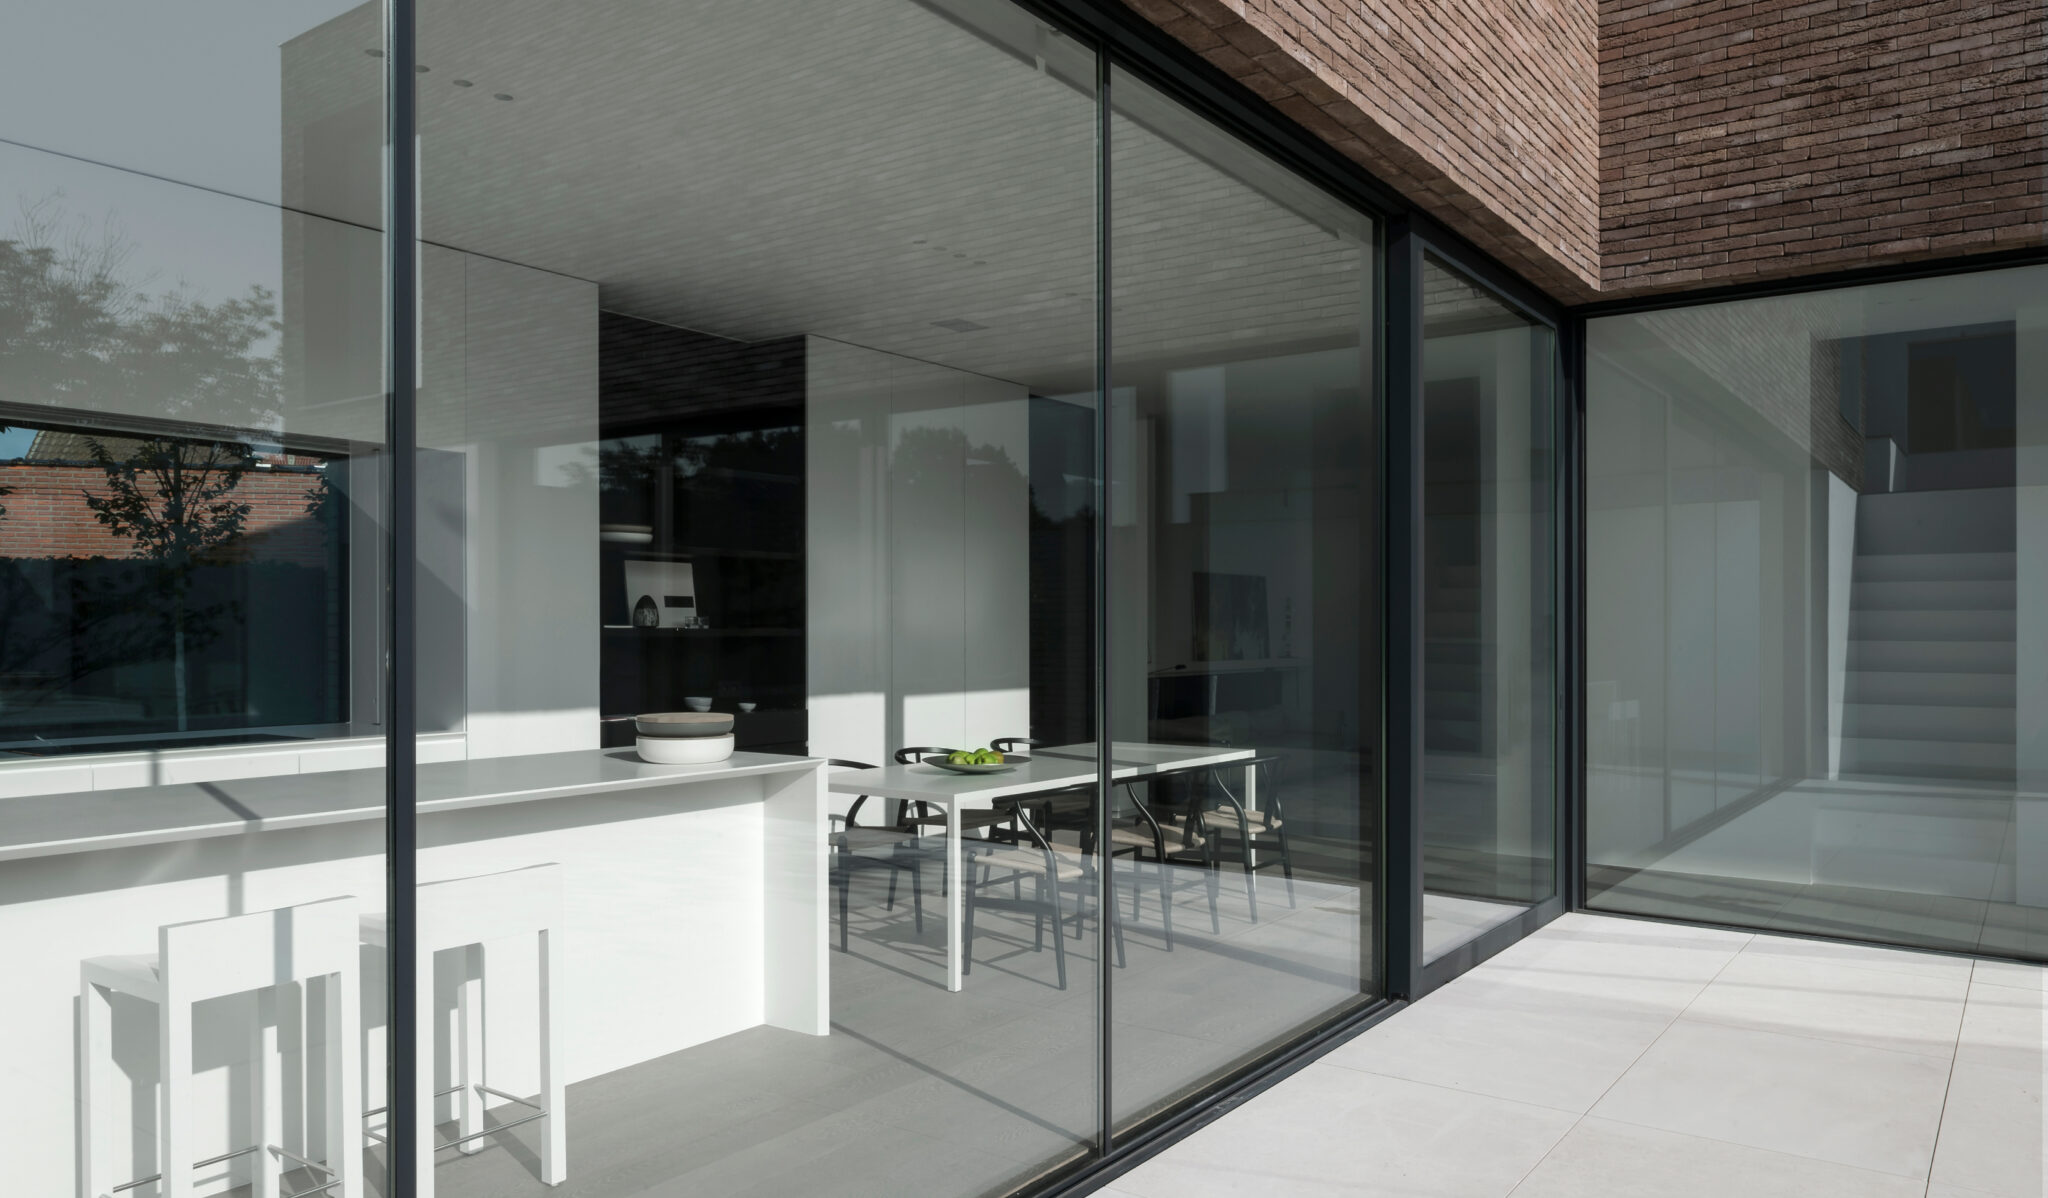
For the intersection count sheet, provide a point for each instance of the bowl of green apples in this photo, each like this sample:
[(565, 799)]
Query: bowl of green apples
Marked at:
[(977, 761)]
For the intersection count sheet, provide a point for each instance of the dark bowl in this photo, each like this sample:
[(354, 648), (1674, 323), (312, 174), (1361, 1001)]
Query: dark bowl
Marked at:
[(683, 723)]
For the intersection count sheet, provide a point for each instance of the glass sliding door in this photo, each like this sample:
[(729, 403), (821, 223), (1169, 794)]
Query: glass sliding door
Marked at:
[(1814, 595), (758, 358), (1242, 658), (192, 631), (1489, 617)]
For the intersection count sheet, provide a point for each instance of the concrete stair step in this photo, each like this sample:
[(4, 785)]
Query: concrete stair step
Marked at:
[(1896, 721), (1931, 688), (1967, 594), (1935, 567), (1933, 625), (1941, 657), (1927, 758)]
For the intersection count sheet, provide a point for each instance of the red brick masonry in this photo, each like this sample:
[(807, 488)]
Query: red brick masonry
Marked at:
[(1746, 140), (1485, 112), (1609, 147)]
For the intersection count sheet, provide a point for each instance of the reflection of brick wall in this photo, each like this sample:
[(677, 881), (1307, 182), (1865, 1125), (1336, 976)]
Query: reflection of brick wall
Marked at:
[(47, 515), (1775, 356), (1752, 140)]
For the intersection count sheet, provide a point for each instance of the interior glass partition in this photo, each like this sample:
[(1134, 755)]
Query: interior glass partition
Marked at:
[(758, 352), (192, 615), (1489, 611), (1242, 598), (1815, 539)]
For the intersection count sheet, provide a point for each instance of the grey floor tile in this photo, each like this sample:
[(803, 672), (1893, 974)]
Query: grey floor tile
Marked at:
[(1868, 1108), (1602, 1157)]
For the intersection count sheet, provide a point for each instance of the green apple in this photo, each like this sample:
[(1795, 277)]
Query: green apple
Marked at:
[(960, 758)]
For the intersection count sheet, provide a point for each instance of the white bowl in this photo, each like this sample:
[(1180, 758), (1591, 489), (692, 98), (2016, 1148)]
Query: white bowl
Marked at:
[(683, 750), (697, 702)]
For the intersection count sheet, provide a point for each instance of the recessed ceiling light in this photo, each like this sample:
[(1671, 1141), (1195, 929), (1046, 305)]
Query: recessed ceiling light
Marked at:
[(919, 241), (462, 83), (374, 53), (501, 96), (419, 70), (959, 255), (980, 262), (959, 326)]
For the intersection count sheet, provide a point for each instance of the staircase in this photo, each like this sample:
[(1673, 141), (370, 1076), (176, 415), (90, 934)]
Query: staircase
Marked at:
[(1930, 691)]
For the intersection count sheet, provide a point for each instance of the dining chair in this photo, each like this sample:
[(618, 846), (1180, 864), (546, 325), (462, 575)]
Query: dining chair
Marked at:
[(1173, 839), (1134, 833), (1228, 827), (1060, 812), (854, 848), (1049, 869)]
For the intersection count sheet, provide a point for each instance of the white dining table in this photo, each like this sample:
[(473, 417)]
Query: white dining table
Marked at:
[(1047, 769)]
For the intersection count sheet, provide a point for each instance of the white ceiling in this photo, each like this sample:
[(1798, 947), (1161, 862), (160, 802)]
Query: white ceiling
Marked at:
[(859, 170)]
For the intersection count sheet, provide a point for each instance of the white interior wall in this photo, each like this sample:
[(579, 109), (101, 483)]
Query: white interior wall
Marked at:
[(1625, 600), (918, 563), (1511, 544), (509, 392)]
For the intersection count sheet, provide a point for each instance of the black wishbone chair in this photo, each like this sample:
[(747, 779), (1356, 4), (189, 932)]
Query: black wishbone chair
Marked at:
[(1229, 827), (854, 847), (1034, 859), (1059, 812), (1136, 833), (1174, 839)]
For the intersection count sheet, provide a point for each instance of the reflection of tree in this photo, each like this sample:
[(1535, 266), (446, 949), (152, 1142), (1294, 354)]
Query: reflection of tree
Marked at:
[(78, 335), (174, 500), (925, 455)]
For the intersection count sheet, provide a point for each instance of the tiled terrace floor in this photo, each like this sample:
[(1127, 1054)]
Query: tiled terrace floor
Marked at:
[(1607, 1056)]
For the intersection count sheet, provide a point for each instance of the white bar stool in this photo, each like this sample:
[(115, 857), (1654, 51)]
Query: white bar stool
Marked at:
[(464, 913), (211, 958)]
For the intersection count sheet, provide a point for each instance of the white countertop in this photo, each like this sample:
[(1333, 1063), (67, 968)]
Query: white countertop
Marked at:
[(50, 825)]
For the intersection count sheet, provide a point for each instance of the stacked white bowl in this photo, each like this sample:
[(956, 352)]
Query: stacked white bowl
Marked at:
[(683, 737)]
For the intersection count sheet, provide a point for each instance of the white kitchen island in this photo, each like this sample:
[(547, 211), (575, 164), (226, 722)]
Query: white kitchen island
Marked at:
[(694, 907)]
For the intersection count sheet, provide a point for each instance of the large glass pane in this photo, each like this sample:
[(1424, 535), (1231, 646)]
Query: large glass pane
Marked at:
[(1815, 594), (758, 347), (1243, 568), (1489, 665), (192, 639)]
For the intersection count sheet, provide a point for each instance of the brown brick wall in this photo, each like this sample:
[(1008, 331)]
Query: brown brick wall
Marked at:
[(1756, 140), (1612, 147), (1482, 111)]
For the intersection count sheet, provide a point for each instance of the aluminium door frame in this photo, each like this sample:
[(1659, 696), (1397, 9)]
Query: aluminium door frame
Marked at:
[(1410, 241), (401, 713)]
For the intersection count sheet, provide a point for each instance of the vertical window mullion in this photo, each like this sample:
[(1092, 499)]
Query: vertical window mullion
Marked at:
[(401, 255)]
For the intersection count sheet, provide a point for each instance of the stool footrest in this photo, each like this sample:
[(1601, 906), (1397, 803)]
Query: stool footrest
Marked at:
[(224, 1157), (488, 1132)]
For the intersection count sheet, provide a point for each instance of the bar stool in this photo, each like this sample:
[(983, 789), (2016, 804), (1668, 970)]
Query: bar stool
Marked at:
[(462, 914), (257, 953)]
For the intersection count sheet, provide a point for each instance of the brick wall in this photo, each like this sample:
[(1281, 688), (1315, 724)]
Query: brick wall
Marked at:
[(47, 516), (1485, 112), (1613, 147), (1748, 140)]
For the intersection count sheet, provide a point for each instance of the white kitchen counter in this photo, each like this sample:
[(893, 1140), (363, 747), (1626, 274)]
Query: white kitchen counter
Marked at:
[(694, 907), (41, 825)]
